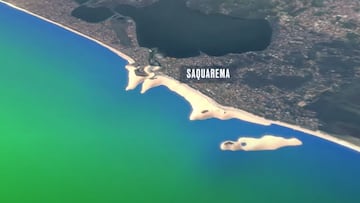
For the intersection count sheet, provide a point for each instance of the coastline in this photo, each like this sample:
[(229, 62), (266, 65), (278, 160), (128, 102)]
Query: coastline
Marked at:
[(203, 106), (122, 55)]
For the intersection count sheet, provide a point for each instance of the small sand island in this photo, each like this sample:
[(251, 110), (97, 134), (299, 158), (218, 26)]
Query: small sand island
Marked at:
[(204, 107), (267, 142)]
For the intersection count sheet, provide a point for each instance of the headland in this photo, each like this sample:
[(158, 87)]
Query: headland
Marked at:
[(204, 107)]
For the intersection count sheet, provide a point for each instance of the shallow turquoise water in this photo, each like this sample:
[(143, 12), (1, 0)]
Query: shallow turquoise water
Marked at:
[(70, 133)]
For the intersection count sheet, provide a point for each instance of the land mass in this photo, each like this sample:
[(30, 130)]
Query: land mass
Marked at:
[(308, 72), (204, 107)]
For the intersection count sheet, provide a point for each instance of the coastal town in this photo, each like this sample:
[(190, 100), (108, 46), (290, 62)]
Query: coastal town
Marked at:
[(314, 51)]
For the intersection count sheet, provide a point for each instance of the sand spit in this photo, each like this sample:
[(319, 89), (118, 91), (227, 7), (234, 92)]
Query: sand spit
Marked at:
[(267, 142), (203, 107)]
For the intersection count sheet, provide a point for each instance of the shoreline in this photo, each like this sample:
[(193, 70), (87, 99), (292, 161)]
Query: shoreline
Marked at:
[(122, 55), (203, 106)]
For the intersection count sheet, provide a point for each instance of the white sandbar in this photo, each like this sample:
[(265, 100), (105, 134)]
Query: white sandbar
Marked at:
[(203, 107), (267, 142)]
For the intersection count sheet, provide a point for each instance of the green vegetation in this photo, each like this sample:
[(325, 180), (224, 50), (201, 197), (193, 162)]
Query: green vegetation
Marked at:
[(239, 8), (319, 13), (317, 3), (297, 12), (351, 24), (352, 37), (81, 1)]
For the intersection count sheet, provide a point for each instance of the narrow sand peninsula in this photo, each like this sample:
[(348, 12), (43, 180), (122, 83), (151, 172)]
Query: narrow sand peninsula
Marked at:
[(267, 142), (122, 55), (203, 107)]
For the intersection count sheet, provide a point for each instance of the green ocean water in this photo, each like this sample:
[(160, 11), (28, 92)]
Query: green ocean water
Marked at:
[(70, 133), (61, 143)]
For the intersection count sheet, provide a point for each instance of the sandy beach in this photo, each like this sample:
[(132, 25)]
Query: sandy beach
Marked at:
[(203, 107), (266, 142), (122, 55)]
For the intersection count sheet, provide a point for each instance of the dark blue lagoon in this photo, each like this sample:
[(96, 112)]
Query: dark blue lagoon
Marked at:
[(179, 31)]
